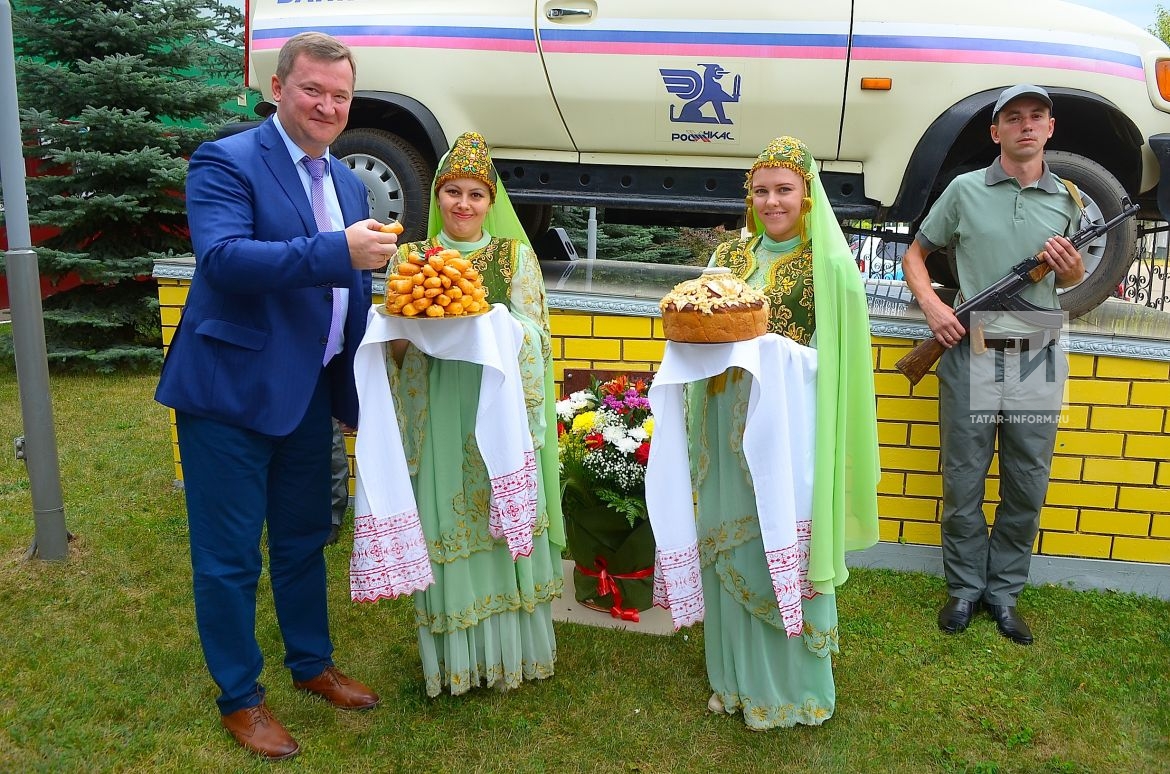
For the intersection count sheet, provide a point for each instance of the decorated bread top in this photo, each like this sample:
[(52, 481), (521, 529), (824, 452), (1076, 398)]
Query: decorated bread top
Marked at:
[(716, 289)]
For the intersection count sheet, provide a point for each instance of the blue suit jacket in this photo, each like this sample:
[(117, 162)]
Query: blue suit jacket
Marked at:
[(250, 343)]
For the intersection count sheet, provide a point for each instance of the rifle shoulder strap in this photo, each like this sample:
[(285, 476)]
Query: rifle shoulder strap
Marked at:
[(1074, 192)]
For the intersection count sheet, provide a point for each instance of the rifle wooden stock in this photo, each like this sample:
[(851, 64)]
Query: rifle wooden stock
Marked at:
[(918, 361)]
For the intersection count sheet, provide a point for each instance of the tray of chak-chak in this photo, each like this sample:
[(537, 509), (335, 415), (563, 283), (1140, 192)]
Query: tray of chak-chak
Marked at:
[(437, 284)]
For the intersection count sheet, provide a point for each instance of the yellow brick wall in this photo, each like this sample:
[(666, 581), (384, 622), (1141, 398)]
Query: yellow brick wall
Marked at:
[(604, 343), (1109, 496), (172, 294), (1110, 491)]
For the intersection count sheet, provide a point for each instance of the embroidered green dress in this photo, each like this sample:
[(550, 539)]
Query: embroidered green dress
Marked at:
[(486, 619), (752, 665)]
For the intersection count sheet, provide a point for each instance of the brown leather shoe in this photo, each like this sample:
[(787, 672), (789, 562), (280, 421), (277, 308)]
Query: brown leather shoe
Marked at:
[(339, 690), (258, 730)]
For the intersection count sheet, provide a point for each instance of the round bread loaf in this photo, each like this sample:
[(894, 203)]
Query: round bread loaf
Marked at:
[(714, 308)]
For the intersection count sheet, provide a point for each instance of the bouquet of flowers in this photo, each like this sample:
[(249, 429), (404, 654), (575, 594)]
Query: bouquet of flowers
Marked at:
[(604, 446)]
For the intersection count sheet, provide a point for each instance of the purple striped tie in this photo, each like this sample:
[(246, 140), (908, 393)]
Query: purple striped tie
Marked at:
[(316, 169)]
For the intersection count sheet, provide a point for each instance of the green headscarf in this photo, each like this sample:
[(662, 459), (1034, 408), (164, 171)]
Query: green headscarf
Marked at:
[(846, 468), (470, 157)]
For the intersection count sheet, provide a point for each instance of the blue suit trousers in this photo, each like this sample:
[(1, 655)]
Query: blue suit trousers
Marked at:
[(237, 482)]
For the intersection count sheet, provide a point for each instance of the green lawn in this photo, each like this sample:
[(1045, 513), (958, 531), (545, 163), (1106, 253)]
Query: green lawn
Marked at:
[(103, 669)]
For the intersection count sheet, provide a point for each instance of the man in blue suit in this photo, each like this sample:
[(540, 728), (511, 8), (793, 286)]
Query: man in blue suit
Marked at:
[(261, 361)]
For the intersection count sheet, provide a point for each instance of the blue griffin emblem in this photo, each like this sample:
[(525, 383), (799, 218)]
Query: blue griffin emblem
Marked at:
[(699, 90)]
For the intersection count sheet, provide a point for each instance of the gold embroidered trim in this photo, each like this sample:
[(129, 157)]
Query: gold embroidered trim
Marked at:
[(487, 606)]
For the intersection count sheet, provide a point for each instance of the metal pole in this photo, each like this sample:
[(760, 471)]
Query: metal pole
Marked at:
[(591, 235), (590, 247), (38, 446)]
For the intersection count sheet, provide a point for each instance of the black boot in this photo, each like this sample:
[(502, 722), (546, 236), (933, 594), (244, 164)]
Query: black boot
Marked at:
[(956, 615), (1010, 624)]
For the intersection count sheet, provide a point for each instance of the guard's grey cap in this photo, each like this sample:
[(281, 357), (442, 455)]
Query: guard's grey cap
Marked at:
[(1015, 92)]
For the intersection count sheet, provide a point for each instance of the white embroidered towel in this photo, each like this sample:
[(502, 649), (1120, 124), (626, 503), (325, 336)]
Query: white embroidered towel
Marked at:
[(778, 445), (493, 340), (389, 550)]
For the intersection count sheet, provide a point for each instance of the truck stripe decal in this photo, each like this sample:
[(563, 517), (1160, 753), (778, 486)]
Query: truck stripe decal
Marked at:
[(1001, 44), (748, 45), (998, 58), (476, 38), (659, 37), (697, 50), (904, 48)]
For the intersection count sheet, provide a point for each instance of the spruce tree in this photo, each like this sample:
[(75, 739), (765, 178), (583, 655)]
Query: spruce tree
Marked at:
[(624, 242), (115, 95)]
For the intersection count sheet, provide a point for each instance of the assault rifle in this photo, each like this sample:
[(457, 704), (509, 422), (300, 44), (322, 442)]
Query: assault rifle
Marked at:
[(1004, 294)]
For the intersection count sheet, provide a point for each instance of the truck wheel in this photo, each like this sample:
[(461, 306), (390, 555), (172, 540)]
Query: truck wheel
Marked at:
[(1108, 259), (397, 177), (535, 218)]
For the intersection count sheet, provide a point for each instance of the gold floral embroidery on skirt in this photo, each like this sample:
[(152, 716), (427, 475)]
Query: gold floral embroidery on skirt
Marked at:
[(486, 606)]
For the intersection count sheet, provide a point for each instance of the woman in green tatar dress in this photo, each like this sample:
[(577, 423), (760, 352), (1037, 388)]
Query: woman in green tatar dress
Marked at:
[(797, 255), (486, 619)]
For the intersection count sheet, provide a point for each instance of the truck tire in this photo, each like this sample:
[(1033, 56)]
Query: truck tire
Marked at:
[(535, 218), (1108, 259), (397, 177)]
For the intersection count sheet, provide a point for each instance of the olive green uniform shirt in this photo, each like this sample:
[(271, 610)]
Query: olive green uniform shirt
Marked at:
[(991, 224)]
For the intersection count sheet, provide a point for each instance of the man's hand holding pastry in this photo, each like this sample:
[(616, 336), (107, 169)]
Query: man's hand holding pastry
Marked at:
[(372, 244)]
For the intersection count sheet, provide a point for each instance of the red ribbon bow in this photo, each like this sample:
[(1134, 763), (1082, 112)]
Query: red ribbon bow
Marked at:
[(607, 584)]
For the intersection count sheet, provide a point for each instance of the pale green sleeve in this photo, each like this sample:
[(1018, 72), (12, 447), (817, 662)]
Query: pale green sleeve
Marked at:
[(530, 308), (408, 386)]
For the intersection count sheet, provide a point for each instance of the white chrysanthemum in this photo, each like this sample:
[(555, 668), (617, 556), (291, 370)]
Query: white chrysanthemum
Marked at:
[(626, 445), (582, 399), (637, 433), (613, 435), (574, 404), (565, 410)]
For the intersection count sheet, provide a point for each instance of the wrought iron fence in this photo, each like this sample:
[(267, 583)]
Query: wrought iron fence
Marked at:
[(878, 251), (1146, 281)]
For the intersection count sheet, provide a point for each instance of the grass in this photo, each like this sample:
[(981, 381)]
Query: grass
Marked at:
[(103, 670)]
